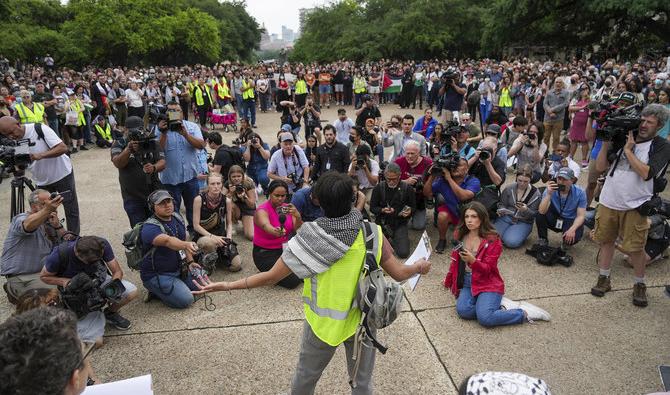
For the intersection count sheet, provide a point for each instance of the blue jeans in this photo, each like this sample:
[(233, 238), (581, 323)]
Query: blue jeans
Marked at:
[(548, 221), (260, 176), (249, 110), (240, 105), (136, 210), (513, 234), (172, 290), (189, 190), (485, 307), (379, 150)]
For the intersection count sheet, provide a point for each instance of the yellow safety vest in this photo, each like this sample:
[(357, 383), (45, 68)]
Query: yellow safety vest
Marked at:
[(249, 93), (359, 85), (26, 115), (199, 100), (505, 99), (300, 87), (106, 133), (78, 107), (328, 297), (222, 88)]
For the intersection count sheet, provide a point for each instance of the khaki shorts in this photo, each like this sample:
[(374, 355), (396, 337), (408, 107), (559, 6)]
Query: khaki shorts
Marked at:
[(630, 225)]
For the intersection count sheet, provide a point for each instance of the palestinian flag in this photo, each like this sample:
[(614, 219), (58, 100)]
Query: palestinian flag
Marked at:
[(391, 84)]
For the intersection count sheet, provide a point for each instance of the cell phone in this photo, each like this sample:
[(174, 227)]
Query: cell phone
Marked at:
[(555, 158), (55, 194), (664, 371), (457, 245)]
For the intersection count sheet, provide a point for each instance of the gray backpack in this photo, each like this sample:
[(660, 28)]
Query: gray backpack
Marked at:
[(132, 241)]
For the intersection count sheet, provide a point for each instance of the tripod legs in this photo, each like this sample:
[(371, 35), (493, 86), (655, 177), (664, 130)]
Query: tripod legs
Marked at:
[(18, 195)]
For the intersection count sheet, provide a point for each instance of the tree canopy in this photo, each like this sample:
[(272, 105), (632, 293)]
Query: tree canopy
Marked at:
[(125, 32), (422, 29)]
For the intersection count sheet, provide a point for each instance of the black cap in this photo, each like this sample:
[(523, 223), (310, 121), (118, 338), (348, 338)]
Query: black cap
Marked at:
[(134, 122)]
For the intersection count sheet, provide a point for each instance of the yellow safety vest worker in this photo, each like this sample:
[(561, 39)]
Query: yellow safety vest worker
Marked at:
[(106, 133), (26, 115), (249, 93), (77, 107), (300, 87), (505, 98), (199, 100), (328, 297), (359, 85), (222, 88)]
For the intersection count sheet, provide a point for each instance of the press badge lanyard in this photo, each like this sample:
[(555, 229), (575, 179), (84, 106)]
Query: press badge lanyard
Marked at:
[(559, 221), (295, 163)]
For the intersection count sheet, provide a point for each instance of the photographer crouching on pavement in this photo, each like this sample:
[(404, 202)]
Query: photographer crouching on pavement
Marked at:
[(50, 166), (139, 160), (81, 268), (30, 239), (490, 171), (638, 163), (393, 203), (449, 180)]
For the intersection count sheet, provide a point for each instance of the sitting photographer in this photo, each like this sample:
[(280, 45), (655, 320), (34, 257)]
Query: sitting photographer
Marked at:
[(562, 212), (242, 193), (139, 160), (449, 179), (30, 239), (529, 149), (289, 164), (413, 171), (392, 203), (212, 222), (50, 167), (559, 159), (635, 173), (458, 141), (167, 269), (93, 256), (307, 204), (365, 170), (490, 170), (517, 209)]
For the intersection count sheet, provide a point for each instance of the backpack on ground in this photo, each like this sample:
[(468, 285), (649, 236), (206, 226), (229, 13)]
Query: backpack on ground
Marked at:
[(132, 242)]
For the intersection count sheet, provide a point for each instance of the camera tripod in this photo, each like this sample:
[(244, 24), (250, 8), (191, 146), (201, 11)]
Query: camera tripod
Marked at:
[(19, 183)]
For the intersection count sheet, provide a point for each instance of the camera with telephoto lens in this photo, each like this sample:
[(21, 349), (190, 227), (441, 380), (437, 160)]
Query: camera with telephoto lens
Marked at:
[(14, 155), (87, 293), (296, 180), (239, 189), (449, 161), (531, 136), (159, 112), (485, 154), (448, 77), (451, 129), (360, 161), (146, 144), (614, 123)]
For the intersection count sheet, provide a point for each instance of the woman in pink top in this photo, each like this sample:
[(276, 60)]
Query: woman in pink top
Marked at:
[(270, 234), (580, 121)]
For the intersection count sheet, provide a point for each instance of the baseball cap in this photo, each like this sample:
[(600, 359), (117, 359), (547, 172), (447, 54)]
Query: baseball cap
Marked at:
[(286, 136), (566, 172), (286, 127), (626, 96), (158, 196), (134, 122), (493, 128)]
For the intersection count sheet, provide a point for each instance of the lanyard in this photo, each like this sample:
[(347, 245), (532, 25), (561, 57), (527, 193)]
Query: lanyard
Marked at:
[(296, 163), (562, 206)]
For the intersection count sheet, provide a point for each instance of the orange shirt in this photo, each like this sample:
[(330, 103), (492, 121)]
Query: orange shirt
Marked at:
[(309, 79), (324, 78)]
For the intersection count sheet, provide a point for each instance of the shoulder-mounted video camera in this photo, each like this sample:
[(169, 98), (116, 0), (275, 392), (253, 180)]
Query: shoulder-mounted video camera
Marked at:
[(14, 154), (85, 294)]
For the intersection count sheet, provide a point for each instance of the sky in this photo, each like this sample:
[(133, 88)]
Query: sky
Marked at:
[(275, 13)]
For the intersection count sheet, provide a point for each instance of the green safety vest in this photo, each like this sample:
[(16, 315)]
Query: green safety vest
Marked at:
[(199, 100), (249, 93), (359, 85), (300, 87), (222, 88), (26, 115), (505, 99), (106, 133), (329, 296)]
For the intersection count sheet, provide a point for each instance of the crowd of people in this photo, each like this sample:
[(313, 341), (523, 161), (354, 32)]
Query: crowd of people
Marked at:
[(483, 120)]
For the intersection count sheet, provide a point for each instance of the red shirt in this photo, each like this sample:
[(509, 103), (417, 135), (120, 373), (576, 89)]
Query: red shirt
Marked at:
[(485, 274), (406, 171)]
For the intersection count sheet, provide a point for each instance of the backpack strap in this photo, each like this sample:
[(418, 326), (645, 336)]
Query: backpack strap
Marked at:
[(371, 237), (40, 133), (62, 253)]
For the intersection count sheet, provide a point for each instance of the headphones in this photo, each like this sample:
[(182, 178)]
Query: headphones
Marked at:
[(149, 199)]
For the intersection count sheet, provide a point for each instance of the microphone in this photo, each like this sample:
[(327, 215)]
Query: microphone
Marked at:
[(282, 221)]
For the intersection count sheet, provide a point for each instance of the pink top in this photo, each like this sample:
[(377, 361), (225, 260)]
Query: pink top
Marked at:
[(268, 241)]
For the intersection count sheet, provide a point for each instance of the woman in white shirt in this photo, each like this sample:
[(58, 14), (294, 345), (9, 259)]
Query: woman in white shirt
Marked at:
[(135, 103)]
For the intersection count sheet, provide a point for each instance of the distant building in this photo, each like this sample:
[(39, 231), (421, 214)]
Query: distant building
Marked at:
[(287, 34), (303, 12)]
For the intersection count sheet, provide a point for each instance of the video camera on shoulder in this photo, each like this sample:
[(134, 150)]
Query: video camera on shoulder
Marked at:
[(159, 112), (448, 161), (452, 129), (614, 121)]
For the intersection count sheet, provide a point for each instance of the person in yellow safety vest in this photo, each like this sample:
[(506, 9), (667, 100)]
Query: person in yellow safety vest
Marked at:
[(300, 90), (74, 128), (360, 87), (27, 111), (222, 92), (248, 98), (103, 132), (331, 268), (204, 101)]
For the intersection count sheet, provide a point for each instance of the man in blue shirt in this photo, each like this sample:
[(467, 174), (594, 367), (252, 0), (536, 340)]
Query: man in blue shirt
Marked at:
[(307, 204), (452, 187), (181, 148), (563, 211)]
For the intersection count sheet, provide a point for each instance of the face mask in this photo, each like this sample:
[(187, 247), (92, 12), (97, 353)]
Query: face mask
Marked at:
[(352, 139), (608, 83), (658, 81)]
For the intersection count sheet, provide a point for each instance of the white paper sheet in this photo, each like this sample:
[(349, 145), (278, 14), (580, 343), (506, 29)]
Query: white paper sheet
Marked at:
[(136, 386), (422, 251)]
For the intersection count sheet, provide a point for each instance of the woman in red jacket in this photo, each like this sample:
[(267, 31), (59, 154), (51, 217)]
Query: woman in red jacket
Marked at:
[(474, 277)]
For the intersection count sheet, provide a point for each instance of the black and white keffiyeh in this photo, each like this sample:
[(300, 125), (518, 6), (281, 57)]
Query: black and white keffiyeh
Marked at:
[(506, 383), (319, 244)]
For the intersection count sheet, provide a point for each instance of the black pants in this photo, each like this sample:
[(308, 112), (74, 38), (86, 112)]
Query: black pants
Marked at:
[(264, 260), (70, 202), (136, 112), (406, 95), (418, 92), (202, 114), (548, 221), (184, 108), (400, 241)]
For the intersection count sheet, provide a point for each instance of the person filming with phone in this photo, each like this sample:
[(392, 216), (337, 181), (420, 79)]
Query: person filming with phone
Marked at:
[(562, 209)]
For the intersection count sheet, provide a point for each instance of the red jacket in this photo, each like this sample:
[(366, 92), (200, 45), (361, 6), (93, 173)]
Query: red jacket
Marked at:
[(485, 274)]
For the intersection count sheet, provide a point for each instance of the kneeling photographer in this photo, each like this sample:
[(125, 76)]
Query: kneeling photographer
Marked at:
[(212, 222), (89, 277), (365, 170), (413, 171), (449, 180), (392, 203), (139, 160), (490, 170), (167, 269), (635, 157)]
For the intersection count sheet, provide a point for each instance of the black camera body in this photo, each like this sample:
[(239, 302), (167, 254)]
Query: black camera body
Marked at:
[(485, 154), (239, 189), (147, 143), (297, 180), (159, 112), (360, 161), (451, 129), (15, 154), (615, 122), (85, 294), (449, 161), (531, 136)]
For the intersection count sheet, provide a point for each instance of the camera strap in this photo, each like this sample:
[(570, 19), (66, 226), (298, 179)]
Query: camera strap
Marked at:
[(295, 161), (40, 134)]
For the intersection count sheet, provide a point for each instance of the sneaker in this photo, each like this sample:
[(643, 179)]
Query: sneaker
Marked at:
[(441, 245), (148, 296), (74, 150), (84, 148), (640, 295), (534, 313), (585, 164), (117, 321), (509, 304), (542, 242), (602, 286)]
